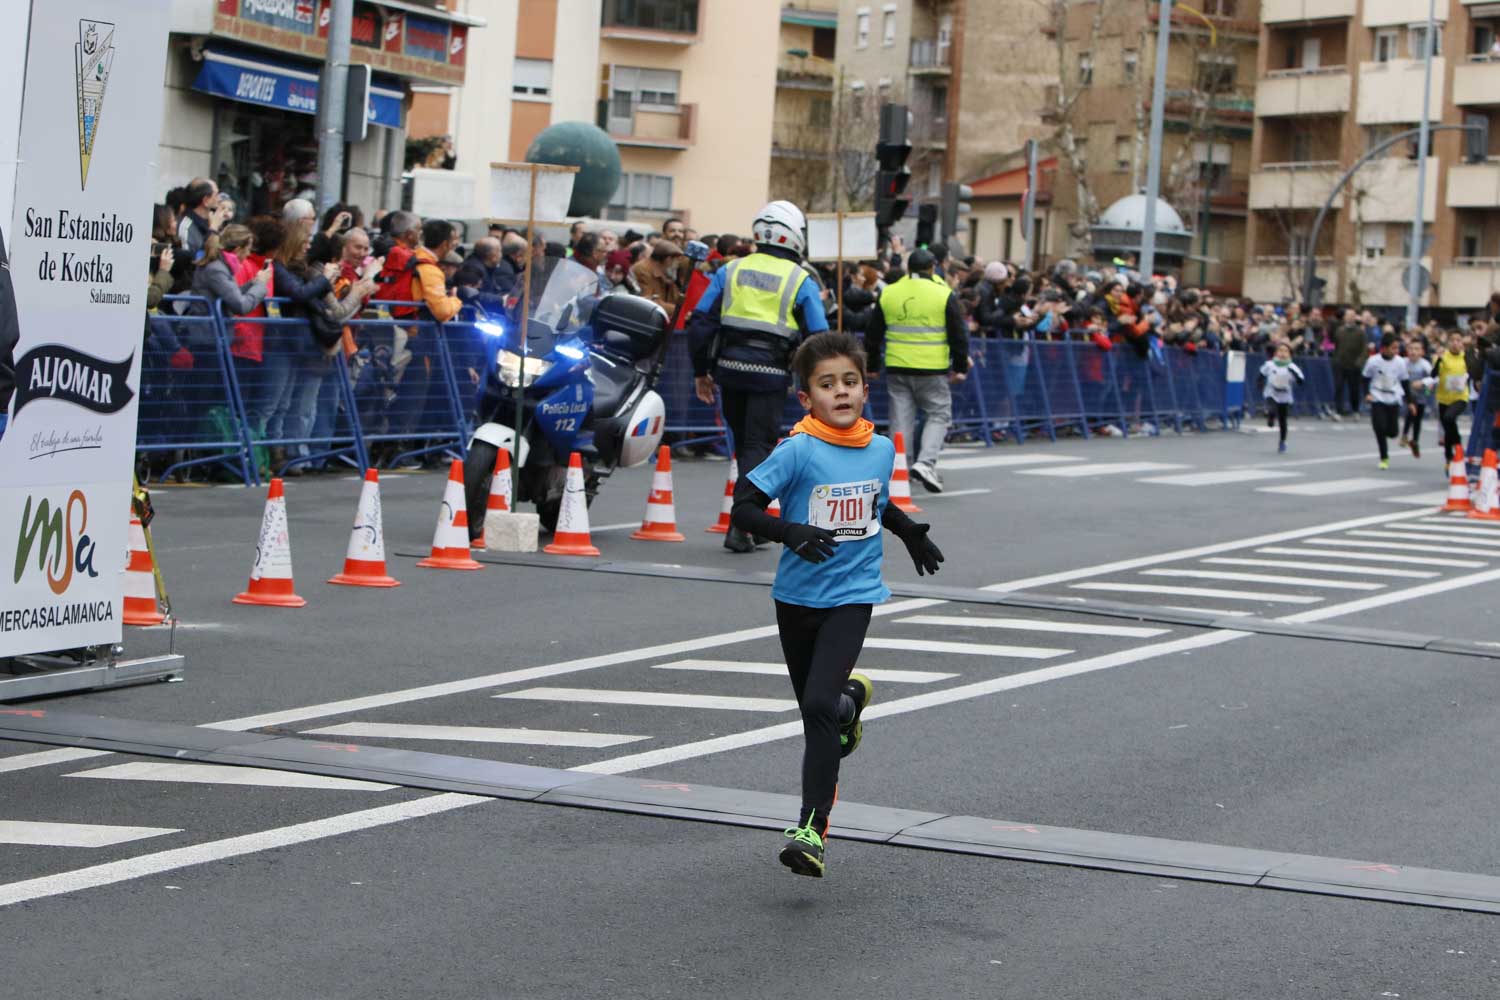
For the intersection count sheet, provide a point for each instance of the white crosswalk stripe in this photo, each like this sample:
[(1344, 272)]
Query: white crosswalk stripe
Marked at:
[(1004, 460), (1033, 625), (476, 734), (878, 674), (1290, 581), (39, 834), (1462, 521), (1209, 611), (966, 648), (1235, 595), (658, 699), (1389, 546), (1328, 487), (1394, 557), (1323, 567), (1220, 477), (1471, 529), (224, 774), (1434, 499), (1435, 537), (1102, 469)]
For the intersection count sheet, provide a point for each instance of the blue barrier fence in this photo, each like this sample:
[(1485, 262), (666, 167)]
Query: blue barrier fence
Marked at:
[(411, 388)]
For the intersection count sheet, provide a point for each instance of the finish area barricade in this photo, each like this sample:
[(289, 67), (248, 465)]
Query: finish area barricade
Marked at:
[(252, 397)]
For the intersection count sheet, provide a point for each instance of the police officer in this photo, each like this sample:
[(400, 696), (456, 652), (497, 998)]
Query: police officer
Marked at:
[(744, 329), (920, 326)]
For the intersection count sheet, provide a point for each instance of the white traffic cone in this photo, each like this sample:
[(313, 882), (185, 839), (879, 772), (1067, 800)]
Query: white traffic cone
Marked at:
[(572, 535), (1487, 497), (901, 481), (499, 500), (450, 540), (140, 579), (271, 576), (1458, 482), (364, 563), (721, 526), (660, 523)]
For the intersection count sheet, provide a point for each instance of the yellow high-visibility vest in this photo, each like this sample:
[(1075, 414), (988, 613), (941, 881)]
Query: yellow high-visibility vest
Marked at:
[(916, 324), (759, 292), (1452, 378)]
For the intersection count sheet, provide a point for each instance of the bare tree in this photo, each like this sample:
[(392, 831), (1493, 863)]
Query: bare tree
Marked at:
[(1063, 97)]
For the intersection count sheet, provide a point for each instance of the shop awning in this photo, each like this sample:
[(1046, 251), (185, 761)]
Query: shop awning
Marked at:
[(272, 83)]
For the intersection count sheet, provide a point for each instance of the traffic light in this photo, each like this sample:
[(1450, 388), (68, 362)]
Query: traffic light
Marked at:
[(927, 216), (892, 175), (955, 208)]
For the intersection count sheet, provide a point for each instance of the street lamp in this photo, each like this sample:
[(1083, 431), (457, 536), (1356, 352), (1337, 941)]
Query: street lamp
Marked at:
[(838, 88)]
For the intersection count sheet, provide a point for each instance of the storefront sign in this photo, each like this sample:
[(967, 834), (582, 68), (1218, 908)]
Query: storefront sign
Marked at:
[(242, 76), (426, 38), (79, 236), (290, 15), (363, 30)]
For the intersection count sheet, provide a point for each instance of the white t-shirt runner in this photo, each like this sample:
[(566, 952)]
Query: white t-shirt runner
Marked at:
[(1386, 376)]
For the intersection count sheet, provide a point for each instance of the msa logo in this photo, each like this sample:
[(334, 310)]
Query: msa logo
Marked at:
[(52, 533)]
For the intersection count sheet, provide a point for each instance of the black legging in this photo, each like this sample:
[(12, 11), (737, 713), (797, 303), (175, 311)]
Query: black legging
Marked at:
[(1282, 409), (1386, 419), (1411, 426), (754, 420), (821, 646), (1448, 414)]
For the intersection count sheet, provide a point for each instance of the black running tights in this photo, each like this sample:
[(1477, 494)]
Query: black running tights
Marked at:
[(821, 647), (1282, 409), (1448, 414), (1386, 419), (1411, 425)]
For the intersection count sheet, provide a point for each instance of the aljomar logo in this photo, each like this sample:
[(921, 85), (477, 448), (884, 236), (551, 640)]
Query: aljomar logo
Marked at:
[(59, 555), (53, 371), (93, 55)]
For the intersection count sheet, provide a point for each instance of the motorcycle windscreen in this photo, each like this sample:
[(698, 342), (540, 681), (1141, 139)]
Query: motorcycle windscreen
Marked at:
[(561, 416)]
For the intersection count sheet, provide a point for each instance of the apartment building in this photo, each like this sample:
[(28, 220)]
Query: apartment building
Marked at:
[(1335, 79), (1099, 106), (805, 128)]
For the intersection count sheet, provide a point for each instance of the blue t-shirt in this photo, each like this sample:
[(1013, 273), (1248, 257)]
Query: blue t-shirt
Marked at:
[(843, 490)]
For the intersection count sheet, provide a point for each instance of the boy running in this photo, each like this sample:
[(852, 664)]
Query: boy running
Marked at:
[(1452, 374), (1421, 382), (832, 476), (1386, 375), (1280, 375)]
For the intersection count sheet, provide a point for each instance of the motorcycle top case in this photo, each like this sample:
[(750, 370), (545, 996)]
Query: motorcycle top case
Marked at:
[(630, 325)]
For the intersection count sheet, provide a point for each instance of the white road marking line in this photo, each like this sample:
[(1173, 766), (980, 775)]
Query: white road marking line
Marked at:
[(1395, 596), (164, 861), (1434, 499), (911, 703), (1326, 487), (1220, 477), (660, 699), (779, 670), (1436, 537), (227, 774), (1463, 521), (967, 648), (632, 525), (994, 461), (1235, 595), (1314, 461), (1291, 581), (1034, 625), (1450, 528), (1393, 547), (37, 834), (1209, 611), (954, 493), (1323, 567), (1374, 557), (1103, 469), (477, 734), (45, 758)]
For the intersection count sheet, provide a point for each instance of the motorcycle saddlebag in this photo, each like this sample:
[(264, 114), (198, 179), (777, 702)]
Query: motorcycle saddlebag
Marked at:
[(631, 326)]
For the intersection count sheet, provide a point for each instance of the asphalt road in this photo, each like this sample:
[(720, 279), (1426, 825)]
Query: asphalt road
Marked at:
[(206, 882)]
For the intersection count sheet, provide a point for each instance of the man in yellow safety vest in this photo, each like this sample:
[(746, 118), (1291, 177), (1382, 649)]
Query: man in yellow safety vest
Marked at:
[(919, 326)]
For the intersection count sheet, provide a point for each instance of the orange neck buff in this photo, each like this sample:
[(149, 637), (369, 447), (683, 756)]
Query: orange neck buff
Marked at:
[(857, 436)]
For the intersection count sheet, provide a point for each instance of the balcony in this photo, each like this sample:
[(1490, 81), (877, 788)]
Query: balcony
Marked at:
[(1477, 81), (1294, 185), (649, 127), (1390, 93), (1385, 13), (1474, 185), (1275, 279), (1237, 103), (1389, 189), (1379, 280), (928, 57), (803, 73), (1285, 92), (1284, 11), (1469, 283), (801, 141), (928, 130), (670, 23)]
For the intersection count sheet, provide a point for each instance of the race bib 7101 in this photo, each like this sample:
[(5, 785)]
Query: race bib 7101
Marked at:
[(846, 509)]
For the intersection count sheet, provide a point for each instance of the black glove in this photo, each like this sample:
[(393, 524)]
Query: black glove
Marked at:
[(924, 555), (812, 544)]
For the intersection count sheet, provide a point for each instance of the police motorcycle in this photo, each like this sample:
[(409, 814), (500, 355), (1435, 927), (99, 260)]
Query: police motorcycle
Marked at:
[(582, 380)]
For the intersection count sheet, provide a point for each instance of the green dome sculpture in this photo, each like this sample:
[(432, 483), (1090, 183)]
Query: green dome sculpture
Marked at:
[(589, 148)]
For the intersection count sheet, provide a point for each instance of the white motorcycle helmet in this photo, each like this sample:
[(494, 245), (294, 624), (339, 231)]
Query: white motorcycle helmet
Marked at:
[(781, 224)]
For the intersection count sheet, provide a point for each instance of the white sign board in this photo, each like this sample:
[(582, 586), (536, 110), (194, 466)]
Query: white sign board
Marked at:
[(860, 238), (79, 241), (510, 193), (441, 194)]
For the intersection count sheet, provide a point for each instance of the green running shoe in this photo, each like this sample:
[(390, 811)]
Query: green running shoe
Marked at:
[(803, 850), (861, 690)]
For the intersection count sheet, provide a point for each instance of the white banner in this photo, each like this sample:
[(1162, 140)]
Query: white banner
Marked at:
[(79, 241)]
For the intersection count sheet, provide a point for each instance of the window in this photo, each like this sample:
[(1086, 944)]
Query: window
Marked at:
[(1219, 8), (939, 104), (935, 179), (1406, 242), (1216, 73), (653, 15), (862, 28), (1372, 242), (1312, 53), (641, 192), (888, 27), (1122, 153), (532, 78), (1414, 37), (820, 112), (632, 87), (825, 43), (1131, 60), (1009, 227), (1385, 45), (1471, 242), (944, 39), (1085, 68), (856, 99), (1301, 148)]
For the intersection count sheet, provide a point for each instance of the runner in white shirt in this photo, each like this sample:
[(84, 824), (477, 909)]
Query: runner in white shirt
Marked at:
[(1281, 376), (1386, 375), (1419, 369)]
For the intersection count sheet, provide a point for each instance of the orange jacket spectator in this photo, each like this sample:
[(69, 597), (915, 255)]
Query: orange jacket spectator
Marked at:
[(433, 290)]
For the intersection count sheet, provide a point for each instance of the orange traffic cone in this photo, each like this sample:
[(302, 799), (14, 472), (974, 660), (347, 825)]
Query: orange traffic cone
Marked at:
[(1487, 497), (271, 576), (364, 564), (450, 540), (660, 523), (572, 535), (901, 481), (140, 582), (1458, 482), (721, 526), (498, 501), (774, 507)]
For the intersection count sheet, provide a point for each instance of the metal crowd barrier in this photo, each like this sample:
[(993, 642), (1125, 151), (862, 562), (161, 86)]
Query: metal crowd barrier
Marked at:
[(411, 388)]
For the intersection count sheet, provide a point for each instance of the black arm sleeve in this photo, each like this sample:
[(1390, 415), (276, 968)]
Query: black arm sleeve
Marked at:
[(958, 334), (895, 521), (875, 338), (749, 512)]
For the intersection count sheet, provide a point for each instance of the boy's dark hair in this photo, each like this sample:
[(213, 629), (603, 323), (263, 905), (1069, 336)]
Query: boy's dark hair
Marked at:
[(821, 347), (1389, 339)]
